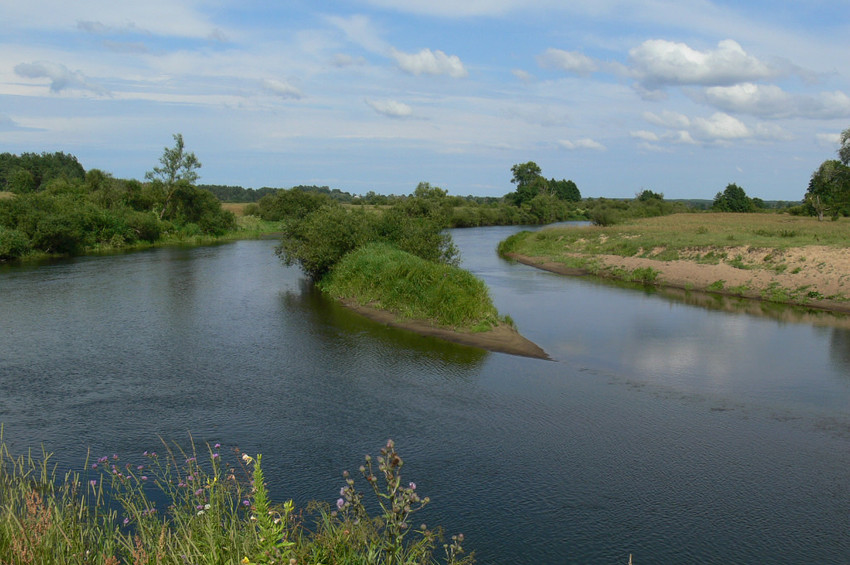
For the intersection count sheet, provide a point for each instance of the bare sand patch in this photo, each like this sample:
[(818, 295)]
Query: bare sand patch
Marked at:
[(814, 276), (502, 338)]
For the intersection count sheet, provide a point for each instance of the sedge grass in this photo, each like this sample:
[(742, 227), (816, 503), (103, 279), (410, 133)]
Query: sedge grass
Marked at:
[(384, 277)]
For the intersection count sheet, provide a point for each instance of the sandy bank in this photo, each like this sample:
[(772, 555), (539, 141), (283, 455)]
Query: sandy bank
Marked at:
[(502, 339), (812, 276)]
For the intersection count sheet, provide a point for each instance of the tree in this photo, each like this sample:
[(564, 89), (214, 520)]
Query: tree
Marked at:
[(829, 189), (844, 150), (565, 190), (733, 199), (178, 167)]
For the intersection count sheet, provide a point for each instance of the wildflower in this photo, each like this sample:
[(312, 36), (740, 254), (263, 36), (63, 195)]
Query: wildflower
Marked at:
[(115, 457), (103, 459), (199, 507), (145, 453), (126, 521), (247, 459), (215, 455), (216, 446), (93, 482), (144, 477), (340, 503), (200, 512), (190, 460), (140, 467), (94, 465), (199, 492), (412, 486), (190, 478), (246, 503)]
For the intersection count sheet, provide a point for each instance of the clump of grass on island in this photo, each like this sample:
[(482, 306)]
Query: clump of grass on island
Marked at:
[(179, 507), (404, 284)]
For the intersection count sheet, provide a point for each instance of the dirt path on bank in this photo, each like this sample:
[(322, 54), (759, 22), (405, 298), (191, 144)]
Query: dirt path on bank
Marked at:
[(814, 276), (502, 338)]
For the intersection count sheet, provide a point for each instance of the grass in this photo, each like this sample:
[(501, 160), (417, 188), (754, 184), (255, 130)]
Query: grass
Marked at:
[(684, 232), (186, 507), (411, 287)]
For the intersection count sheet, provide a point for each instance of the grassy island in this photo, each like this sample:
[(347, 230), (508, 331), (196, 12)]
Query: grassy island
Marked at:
[(772, 257)]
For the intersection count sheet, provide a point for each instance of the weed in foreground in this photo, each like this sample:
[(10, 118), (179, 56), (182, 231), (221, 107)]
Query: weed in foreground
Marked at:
[(179, 508)]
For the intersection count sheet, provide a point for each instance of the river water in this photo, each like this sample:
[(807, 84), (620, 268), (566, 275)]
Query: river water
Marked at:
[(675, 432)]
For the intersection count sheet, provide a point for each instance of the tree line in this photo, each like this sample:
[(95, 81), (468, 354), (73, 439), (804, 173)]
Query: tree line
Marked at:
[(56, 207)]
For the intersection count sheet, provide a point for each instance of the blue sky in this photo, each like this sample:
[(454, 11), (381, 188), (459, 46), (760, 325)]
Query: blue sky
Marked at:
[(677, 96)]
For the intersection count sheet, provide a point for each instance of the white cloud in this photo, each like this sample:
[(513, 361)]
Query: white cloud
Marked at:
[(282, 89), (342, 60), (657, 63), (720, 126), (430, 63), (522, 75), (668, 119), (361, 31), (771, 101), (644, 135), (585, 143), (831, 140), (569, 61), (60, 76), (391, 108)]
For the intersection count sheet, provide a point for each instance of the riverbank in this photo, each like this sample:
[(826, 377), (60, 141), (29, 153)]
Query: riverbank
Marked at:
[(502, 338), (773, 258)]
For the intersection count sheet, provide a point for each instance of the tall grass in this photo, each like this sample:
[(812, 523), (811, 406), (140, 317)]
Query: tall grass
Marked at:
[(383, 276), (181, 507)]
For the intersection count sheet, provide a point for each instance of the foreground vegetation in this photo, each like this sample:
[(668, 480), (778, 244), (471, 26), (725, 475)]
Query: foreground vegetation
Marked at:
[(757, 244), (182, 506)]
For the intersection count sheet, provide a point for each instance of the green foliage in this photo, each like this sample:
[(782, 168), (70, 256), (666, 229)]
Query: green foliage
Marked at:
[(317, 239), (290, 204), (733, 199), (31, 172), (13, 244), (178, 168), (829, 190), (179, 507), (411, 287)]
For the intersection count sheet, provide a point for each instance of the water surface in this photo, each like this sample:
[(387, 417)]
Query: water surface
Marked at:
[(673, 432)]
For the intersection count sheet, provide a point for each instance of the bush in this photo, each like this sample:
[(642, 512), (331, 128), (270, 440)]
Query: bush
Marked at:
[(13, 244)]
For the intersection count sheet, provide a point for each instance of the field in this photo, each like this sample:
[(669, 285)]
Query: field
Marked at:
[(772, 257)]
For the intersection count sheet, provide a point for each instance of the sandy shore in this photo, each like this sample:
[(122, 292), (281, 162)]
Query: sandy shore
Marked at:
[(813, 276), (502, 339)]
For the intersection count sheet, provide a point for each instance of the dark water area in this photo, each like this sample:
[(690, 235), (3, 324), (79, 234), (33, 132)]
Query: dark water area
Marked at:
[(662, 428)]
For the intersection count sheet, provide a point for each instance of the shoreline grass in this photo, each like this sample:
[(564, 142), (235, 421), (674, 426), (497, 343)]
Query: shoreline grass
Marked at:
[(185, 506)]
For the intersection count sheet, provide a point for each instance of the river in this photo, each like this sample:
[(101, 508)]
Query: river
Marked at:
[(670, 431)]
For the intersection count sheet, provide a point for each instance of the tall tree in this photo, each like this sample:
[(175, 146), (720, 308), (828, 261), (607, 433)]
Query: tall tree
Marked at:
[(529, 182), (829, 189), (733, 199), (178, 168)]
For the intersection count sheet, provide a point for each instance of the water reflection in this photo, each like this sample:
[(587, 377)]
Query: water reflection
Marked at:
[(337, 325)]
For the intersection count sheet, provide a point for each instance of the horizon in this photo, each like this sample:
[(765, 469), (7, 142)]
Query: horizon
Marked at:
[(681, 98)]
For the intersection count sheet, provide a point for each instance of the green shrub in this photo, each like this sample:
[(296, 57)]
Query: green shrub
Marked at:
[(13, 244)]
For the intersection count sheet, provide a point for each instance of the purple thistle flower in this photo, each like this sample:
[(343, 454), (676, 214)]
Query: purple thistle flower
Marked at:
[(94, 465), (412, 486), (340, 503), (217, 445), (126, 521), (144, 478), (199, 492), (246, 503), (199, 507), (215, 455), (115, 457), (190, 478), (140, 467)]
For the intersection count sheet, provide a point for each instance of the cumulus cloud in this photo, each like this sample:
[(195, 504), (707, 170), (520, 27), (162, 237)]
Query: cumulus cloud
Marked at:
[(720, 126), (773, 102), (644, 135), (430, 63), (585, 143), (657, 63), (569, 61), (668, 119), (390, 108), (282, 89), (60, 76)]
